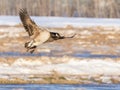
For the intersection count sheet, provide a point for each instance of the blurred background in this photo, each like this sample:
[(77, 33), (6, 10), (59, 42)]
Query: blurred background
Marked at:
[(63, 8)]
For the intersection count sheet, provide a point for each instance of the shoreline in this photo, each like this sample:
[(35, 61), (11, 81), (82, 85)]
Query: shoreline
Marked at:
[(64, 79)]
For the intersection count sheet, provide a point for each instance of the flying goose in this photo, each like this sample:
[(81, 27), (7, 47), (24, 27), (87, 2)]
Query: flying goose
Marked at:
[(38, 35)]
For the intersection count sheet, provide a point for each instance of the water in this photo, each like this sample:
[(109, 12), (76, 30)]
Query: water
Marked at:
[(95, 55), (60, 87), (79, 55)]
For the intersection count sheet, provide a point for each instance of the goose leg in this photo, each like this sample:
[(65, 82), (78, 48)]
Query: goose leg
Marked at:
[(31, 49)]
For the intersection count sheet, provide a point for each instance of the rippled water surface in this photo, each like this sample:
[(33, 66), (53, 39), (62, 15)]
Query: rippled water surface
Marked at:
[(60, 87)]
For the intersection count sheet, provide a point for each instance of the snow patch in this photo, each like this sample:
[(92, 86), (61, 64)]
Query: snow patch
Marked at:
[(72, 67), (22, 62), (61, 21)]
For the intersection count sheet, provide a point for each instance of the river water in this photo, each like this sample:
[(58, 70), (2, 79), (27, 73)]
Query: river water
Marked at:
[(60, 87)]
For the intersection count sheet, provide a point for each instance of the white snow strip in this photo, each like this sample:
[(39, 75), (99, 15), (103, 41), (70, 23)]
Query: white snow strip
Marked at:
[(62, 21), (75, 67)]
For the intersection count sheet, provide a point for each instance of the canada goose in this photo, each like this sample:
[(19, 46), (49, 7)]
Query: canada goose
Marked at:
[(38, 35)]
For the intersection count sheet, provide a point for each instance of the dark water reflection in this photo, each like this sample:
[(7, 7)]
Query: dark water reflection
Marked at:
[(88, 55), (60, 87), (57, 54)]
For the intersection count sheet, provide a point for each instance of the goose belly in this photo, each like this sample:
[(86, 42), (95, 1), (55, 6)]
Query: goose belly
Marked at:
[(43, 37)]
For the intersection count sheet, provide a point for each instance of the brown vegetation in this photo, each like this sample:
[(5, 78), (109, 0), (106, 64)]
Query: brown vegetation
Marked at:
[(61, 79), (82, 8)]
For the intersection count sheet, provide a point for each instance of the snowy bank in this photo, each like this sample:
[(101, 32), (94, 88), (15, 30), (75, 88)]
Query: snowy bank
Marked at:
[(64, 68), (62, 21), (63, 65)]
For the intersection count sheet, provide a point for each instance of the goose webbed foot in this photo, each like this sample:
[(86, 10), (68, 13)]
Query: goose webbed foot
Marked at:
[(31, 49)]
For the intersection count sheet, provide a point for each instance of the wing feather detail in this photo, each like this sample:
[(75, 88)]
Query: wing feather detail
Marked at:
[(29, 25)]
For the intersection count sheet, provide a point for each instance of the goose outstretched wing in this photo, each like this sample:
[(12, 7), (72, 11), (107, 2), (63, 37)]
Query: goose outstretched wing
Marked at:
[(29, 25)]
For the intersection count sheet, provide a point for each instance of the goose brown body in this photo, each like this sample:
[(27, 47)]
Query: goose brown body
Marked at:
[(38, 35)]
